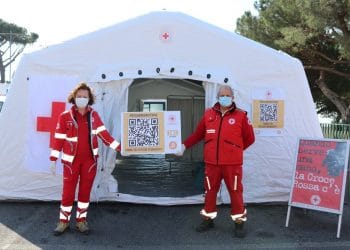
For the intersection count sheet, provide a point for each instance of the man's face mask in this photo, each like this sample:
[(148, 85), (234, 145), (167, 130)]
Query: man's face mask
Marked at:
[(81, 102), (225, 101)]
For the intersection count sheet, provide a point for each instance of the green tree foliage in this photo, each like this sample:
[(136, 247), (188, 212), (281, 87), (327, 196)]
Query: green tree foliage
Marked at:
[(318, 33), (13, 40)]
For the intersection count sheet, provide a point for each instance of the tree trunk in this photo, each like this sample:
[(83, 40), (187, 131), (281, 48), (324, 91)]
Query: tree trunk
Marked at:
[(346, 119), (342, 107)]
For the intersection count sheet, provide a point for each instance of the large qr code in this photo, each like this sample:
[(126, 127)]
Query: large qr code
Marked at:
[(143, 132), (268, 112)]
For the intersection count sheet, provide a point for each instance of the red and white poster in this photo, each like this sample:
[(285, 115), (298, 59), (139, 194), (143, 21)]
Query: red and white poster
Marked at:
[(320, 175)]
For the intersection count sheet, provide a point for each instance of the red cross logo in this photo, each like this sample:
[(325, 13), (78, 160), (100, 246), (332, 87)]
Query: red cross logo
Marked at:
[(165, 36), (315, 199), (48, 124), (268, 94), (172, 119)]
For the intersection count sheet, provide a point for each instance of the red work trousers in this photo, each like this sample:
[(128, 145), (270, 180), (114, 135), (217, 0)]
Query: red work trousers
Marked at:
[(232, 175), (83, 169)]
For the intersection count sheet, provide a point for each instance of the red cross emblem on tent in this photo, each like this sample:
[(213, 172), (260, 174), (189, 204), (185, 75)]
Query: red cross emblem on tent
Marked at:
[(165, 36), (268, 94), (48, 124)]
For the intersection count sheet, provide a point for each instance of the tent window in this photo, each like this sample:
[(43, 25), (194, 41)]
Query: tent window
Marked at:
[(153, 105)]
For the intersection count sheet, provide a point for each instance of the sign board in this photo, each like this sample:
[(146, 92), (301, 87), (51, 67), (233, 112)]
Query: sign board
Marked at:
[(320, 175), (151, 132)]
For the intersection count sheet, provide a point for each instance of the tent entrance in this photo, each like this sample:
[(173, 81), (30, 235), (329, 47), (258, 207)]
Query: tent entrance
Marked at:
[(159, 175)]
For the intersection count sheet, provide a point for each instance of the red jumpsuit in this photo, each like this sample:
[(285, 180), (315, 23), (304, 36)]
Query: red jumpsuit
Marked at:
[(225, 137), (76, 136)]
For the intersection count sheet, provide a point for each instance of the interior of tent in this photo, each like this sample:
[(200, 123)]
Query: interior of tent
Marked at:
[(155, 73)]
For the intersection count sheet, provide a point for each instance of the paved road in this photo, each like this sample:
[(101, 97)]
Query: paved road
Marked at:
[(29, 225)]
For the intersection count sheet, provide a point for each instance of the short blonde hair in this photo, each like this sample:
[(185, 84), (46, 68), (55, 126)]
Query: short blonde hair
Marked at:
[(84, 86)]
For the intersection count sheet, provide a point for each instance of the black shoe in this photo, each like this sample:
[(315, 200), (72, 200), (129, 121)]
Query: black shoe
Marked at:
[(239, 229), (205, 225)]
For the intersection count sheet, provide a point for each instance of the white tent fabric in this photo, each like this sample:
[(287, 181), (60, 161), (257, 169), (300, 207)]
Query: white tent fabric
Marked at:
[(110, 59), (111, 106)]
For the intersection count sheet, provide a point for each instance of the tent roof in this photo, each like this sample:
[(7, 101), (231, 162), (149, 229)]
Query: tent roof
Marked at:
[(120, 51)]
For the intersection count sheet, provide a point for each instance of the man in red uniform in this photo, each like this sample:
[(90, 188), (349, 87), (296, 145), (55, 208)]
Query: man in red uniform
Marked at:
[(226, 131), (76, 136)]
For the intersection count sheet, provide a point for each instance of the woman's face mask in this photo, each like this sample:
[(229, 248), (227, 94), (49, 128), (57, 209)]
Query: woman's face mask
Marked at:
[(81, 102), (225, 101)]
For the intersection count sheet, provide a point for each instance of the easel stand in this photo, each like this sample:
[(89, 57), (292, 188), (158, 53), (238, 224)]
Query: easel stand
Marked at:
[(340, 216)]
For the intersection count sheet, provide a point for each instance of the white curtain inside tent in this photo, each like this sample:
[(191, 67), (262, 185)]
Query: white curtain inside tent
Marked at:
[(210, 89), (112, 100)]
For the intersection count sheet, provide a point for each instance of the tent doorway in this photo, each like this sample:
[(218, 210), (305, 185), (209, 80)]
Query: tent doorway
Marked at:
[(159, 175), (192, 109)]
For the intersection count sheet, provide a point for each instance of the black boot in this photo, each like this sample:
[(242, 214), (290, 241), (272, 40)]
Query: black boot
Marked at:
[(239, 229), (205, 225)]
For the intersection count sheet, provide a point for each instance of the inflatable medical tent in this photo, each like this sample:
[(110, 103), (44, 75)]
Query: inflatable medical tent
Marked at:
[(158, 45)]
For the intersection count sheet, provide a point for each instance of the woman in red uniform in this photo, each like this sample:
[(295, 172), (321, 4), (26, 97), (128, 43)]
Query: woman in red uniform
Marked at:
[(76, 137), (226, 131)]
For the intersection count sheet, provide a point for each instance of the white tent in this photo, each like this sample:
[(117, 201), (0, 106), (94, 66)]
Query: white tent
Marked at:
[(149, 46)]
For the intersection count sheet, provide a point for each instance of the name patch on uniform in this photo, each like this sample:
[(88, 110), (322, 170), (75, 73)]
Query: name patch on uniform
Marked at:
[(210, 131)]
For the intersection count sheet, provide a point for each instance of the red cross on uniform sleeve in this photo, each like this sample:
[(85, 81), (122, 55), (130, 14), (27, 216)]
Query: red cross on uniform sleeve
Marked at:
[(48, 124)]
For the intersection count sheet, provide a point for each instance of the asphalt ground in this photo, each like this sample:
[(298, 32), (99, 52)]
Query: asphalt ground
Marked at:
[(114, 225)]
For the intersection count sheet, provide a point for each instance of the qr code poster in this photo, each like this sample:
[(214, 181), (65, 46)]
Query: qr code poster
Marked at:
[(151, 132), (268, 112)]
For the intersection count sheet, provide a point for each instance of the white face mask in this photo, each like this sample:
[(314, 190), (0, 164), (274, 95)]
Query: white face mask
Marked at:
[(81, 102)]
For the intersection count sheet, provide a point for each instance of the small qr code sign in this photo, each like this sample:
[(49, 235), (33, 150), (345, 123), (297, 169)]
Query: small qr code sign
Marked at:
[(268, 113), (151, 132)]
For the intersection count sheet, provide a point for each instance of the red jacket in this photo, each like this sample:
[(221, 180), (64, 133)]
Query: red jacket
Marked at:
[(225, 137), (66, 135)]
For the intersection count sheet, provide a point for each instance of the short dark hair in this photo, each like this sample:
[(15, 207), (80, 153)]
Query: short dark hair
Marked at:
[(84, 86)]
